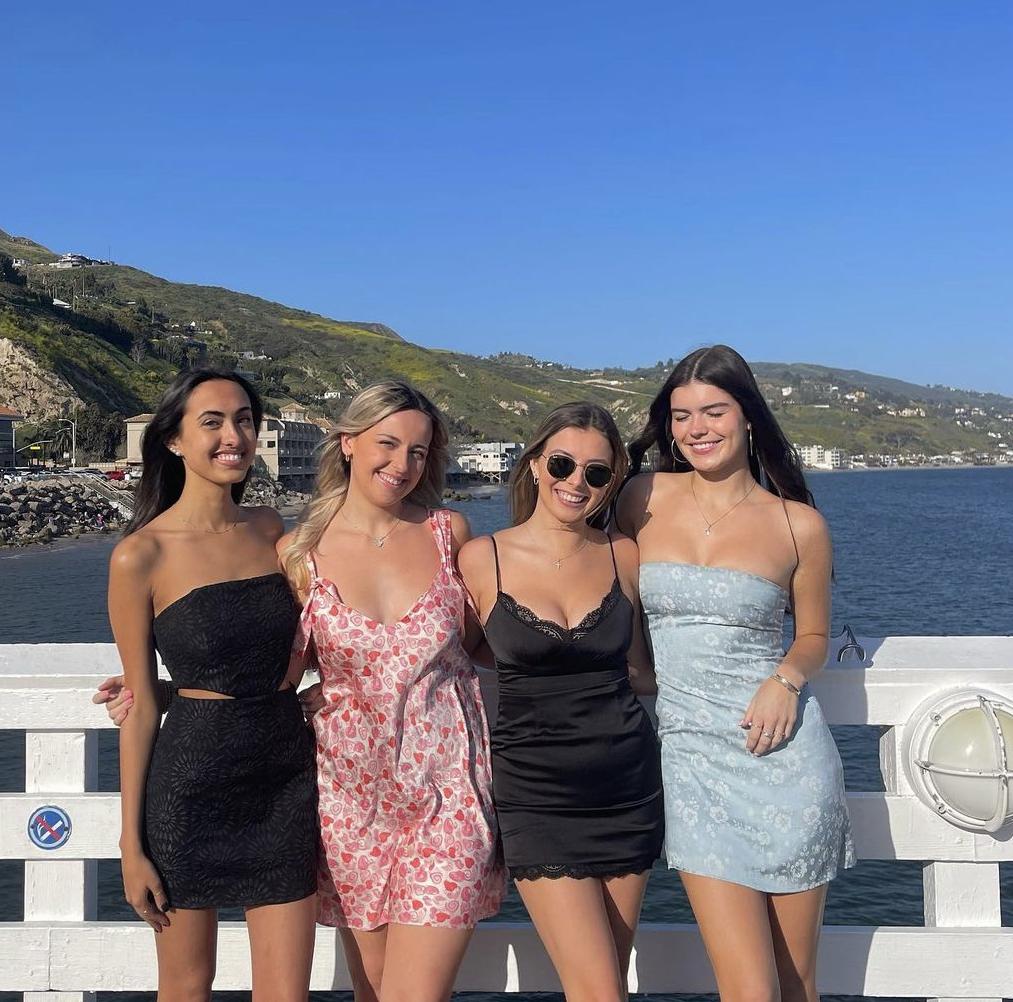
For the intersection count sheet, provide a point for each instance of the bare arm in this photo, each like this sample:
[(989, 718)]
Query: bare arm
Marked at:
[(639, 660), (130, 614), (772, 713), (464, 547)]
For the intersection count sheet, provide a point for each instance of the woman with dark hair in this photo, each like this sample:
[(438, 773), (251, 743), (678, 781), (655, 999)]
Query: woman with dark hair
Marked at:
[(754, 792), (219, 805), (576, 774)]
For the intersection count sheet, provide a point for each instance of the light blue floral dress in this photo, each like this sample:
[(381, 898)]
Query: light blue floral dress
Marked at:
[(777, 822)]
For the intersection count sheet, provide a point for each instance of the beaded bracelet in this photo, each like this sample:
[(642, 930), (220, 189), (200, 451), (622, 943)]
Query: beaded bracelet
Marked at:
[(787, 683)]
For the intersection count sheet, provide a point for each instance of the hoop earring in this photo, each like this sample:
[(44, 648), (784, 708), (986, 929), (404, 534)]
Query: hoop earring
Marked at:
[(749, 428), (534, 479), (678, 457)]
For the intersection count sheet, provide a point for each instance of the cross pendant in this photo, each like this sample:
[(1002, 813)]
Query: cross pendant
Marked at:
[(558, 562)]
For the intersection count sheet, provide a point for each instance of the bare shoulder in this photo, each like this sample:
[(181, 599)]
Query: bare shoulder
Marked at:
[(266, 521), (475, 556), (135, 556), (632, 502), (283, 541), (460, 527), (809, 526)]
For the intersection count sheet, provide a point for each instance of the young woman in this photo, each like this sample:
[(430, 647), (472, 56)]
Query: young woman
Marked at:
[(411, 860), (219, 805), (754, 793), (576, 773)]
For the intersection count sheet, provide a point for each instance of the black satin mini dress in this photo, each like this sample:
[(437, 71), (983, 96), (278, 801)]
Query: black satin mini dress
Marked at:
[(230, 812), (575, 760)]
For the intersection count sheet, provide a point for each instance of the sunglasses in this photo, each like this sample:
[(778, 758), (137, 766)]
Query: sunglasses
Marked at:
[(596, 475)]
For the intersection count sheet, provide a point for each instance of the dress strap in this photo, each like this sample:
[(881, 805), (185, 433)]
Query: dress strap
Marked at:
[(495, 556), (612, 550), (439, 520), (311, 564), (794, 542)]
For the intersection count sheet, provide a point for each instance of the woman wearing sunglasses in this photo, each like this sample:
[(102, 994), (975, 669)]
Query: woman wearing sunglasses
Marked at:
[(576, 772)]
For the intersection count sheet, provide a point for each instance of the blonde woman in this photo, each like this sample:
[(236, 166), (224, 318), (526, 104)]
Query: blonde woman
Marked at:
[(576, 771), (410, 857)]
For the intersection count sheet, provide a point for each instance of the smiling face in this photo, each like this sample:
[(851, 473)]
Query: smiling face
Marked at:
[(389, 458), (571, 498), (708, 427), (217, 438)]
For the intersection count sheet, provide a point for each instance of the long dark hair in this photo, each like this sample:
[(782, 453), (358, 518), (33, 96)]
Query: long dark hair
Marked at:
[(583, 415), (164, 474), (773, 460)]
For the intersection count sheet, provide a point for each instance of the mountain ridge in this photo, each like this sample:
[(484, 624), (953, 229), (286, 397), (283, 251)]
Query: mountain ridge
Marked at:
[(127, 332)]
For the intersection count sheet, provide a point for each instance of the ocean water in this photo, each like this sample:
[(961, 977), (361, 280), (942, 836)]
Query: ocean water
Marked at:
[(915, 552)]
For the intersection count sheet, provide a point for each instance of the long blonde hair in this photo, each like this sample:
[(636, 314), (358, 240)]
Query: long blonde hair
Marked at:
[(367, 408), (583, 415)]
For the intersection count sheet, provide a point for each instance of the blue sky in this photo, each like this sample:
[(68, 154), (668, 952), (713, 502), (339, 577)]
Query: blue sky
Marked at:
[(598, 183)]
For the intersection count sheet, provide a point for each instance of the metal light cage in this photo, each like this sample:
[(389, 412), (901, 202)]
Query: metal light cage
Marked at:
[(939, 783)]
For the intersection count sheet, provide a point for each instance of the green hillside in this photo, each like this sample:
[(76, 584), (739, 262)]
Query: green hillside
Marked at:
[(127, 333)]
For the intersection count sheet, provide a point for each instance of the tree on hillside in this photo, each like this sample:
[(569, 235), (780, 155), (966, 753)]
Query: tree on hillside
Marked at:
[(8, 273)]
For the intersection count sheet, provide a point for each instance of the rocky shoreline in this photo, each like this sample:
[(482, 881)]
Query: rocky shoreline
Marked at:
[(40, 512)]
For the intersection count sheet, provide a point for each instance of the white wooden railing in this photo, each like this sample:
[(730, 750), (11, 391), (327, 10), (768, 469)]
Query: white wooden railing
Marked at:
[(59, 952)]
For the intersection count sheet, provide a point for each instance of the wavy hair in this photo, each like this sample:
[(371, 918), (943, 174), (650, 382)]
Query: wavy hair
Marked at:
[(367, 408), (773, 461), (583, 415), (164, 473)]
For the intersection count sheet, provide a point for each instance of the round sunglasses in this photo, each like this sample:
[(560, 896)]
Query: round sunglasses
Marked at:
[(596, 475)]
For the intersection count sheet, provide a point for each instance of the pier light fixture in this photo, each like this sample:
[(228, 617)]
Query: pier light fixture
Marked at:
[(958, 756)]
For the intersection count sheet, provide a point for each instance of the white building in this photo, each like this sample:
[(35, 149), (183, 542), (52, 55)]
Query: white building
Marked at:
[(818, 457), (287, 446), (492, 461)]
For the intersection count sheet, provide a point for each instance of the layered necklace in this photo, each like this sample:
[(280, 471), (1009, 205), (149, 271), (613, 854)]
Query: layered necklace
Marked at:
[(713, 522)]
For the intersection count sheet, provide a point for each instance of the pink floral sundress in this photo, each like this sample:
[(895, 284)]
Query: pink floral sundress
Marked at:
[(403, 767)]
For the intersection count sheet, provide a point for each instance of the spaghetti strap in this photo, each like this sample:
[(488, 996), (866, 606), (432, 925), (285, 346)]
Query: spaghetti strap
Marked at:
[(495, 555), (794, 542), (312, 565), (612, 550)]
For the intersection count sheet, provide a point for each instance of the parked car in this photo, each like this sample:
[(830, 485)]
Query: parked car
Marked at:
[(115, 474)]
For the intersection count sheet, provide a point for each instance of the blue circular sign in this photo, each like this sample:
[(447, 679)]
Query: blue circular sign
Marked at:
[(49, 827)]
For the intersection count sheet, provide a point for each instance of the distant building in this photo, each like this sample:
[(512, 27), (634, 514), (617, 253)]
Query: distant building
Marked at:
[(135, 432), (491, 461), (63, 304), (287, 446), (7, 419), (817, 457)]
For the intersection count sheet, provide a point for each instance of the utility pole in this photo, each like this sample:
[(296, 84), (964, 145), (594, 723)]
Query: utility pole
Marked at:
[(73, 439)]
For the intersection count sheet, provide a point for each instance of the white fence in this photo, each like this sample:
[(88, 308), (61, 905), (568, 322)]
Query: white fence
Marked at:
[(59, 951)]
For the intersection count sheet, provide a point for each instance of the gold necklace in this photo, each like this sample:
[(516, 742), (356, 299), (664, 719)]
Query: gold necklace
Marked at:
[(213, 532), (377, 541), (710, 525), (558, 560)]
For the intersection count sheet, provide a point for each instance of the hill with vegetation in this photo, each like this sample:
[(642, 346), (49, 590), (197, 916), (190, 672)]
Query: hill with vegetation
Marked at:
[(123, 334)]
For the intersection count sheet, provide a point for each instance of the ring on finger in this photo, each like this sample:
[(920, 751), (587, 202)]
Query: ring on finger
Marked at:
[(766, 734)]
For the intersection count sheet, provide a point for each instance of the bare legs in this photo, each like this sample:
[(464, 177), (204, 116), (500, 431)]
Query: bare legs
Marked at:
[(587, 927), (762, 946), (281, 946), (404, 963)]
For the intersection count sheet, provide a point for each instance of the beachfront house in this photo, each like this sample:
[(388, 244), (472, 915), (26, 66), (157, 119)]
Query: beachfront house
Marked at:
[(490, 461)]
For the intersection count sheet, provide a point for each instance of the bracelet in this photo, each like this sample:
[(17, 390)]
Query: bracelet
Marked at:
[(787, 683)]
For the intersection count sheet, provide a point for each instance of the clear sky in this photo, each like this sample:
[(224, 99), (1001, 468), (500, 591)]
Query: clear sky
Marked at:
[(598, 183)]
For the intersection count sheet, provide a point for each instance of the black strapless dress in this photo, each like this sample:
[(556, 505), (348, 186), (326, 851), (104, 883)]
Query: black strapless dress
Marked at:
[(230, 815), (576, 767)]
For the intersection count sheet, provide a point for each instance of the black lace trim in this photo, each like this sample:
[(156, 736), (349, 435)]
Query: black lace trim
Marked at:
[(579, 871), (553, 629)]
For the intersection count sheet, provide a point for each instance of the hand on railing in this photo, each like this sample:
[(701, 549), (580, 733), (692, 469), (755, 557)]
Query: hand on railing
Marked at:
[(143, 890)]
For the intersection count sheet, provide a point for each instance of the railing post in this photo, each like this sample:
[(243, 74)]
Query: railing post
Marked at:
[(60, 890)]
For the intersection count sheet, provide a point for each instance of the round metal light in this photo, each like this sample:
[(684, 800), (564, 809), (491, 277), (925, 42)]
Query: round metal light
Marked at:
[(958, 756)]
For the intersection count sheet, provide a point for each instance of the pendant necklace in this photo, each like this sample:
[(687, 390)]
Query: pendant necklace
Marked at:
[(710, 525), (377, 541), (213, 532)]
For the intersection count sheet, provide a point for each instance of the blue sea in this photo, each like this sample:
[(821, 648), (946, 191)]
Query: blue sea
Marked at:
[(923, 552)]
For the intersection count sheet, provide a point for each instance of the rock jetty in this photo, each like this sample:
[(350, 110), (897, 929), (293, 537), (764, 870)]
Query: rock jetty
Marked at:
[(40, 512)]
